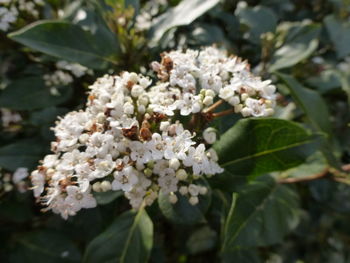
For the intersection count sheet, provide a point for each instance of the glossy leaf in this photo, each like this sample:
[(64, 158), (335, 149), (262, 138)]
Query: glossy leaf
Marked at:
[(128, 239), (261, 214), (339, 33), (183, 14), (45, 245), (297, 48), (104, 198), (316, 112), (23, 153), (241, 255), (68, 41), (253, 17), (310, 102), (315, 164), (32, 93), (258, 146), (203, 239)]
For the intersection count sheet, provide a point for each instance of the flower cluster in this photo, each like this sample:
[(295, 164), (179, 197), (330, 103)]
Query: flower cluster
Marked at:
[(129, 137), (9, 118), (64, 75), (9, 181), (11, 8), (148, 11), (218, 75)]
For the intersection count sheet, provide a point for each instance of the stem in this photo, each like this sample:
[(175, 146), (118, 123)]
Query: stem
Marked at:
[(303, 179), (337, 176), (223, 113), (213, 107)]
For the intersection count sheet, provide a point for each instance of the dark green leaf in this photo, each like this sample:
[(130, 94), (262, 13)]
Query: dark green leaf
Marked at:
[(47, 246), (182, 212), (339, 32), (68, 41), (128, 239), (315, 109), (262, 214), (23, 153), (258, 146), (201, 240), (183, 14), (32, 93), (104, 198), (296, 48), (241, 255), (310, 101), (315, 164), (253, 17)]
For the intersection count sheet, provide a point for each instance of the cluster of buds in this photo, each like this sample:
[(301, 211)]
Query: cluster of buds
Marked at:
[(9, 181), (64, 75), (10, 10), (129, 137)]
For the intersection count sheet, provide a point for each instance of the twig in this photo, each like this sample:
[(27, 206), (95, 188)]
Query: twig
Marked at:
[(336, 178), (213, 107), (223, 113), (303, 179)]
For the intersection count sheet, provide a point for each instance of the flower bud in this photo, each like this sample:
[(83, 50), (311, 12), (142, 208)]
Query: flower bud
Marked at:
[(193, 200), (193, 189), (203, 190), (148, 172), (84, 138), (183, 190), (96, 187), (209, 93), (208, 101), (101, 117), (106, 186), (209, 135), (181, 174), (174, 163), (172, 198), (164, 125)]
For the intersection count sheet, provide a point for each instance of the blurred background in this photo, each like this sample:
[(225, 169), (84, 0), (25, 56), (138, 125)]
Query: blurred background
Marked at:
[(52, 50)]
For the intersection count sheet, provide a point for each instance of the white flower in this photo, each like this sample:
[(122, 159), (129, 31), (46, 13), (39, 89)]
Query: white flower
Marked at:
[(209, 135), (78, 199), (38, 182), (125, 179), (19, 175), (168, 183)]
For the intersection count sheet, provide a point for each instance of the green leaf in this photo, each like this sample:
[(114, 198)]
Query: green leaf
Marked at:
[(258, 146), (23, 153), (203, 239), (253, 17), (206, 34), (262, 214), (68, 41), (183, 14), (104, 198), (315, 164), (339, 33), (44, 245), (182, 212), (315, 109), (32, 93), (297, 48), (326, 81), (128, 239), (310, 102), (241, 255)]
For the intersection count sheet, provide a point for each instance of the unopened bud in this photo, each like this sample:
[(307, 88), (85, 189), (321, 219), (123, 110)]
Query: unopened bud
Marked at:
[(181, 174), (193, 200)]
